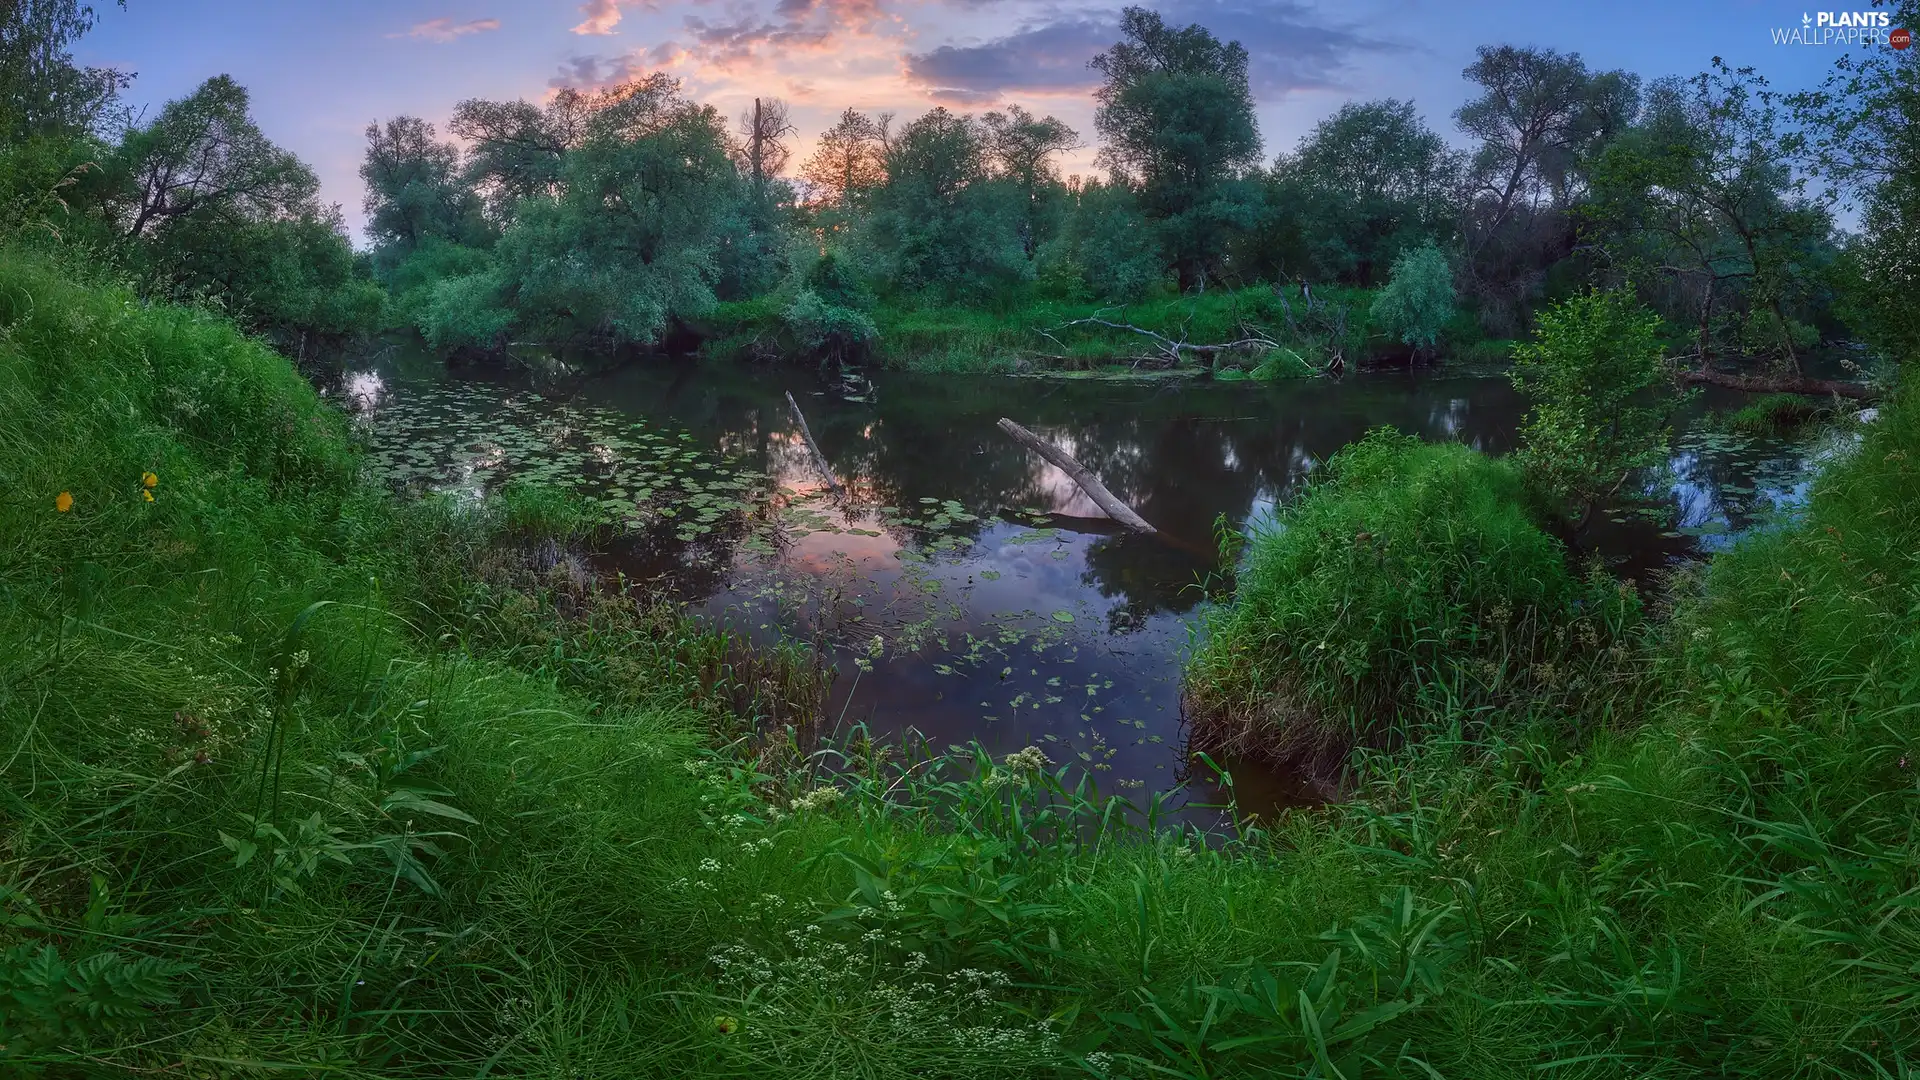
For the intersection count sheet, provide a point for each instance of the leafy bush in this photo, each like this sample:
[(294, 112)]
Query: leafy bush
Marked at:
[(1590, 371), (1418, 301), (828, 329), (1108, 250), (466, 312), (411, 281), (1282, 363), (1406, 584), (1777, 414)]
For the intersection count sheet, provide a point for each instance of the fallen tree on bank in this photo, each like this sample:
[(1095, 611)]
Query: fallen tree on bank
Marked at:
[(1786, 384)]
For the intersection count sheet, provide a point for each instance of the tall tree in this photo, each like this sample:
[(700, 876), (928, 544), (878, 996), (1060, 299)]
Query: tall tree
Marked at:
[(414, 188), (648, 198), (210, 208), (203, 155), (42, 92), (1863, 142), (1366, 184), (1176, 111), (764, 131), (1540, 115), (937, 219), (1700, 194), (850, 160), (1022, 148)]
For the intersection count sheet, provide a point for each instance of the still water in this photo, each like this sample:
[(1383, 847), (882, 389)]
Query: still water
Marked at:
[(966, 589)]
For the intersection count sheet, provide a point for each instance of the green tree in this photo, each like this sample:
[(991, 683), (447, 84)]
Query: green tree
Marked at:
[(1022, 148), (42, 93), (1540, 117), (1701, 194), (1592, 375), (1418, 299), (208, 207), (204, 157), (646, 201), (1862, 140), (516, 150), (1106, 250), (1362, 186), (1176, 111), (415, 191), (938, 221)]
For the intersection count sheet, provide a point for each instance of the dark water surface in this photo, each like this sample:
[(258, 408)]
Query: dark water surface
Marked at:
[(967, 589)]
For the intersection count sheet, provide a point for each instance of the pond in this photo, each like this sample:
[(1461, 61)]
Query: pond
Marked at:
[(965, 589)]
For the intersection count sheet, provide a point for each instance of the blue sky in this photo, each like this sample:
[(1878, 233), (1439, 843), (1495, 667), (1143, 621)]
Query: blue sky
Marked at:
[(321, 71)]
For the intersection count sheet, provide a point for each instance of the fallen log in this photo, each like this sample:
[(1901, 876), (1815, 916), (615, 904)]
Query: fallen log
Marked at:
[(819, 459), (1078, 473), (1794, 384), (1169, 350)]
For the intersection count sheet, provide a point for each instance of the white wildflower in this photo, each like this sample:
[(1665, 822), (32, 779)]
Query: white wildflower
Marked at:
[(1032, 759), (818, 799)]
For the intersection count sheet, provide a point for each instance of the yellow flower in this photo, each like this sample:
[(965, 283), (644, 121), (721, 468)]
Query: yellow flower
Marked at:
[(726, 1025), (147, 495), (148, 480), (63, 502)]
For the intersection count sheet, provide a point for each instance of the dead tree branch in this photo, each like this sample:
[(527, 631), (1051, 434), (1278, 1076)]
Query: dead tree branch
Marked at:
[(819, 459), (1078, 473)]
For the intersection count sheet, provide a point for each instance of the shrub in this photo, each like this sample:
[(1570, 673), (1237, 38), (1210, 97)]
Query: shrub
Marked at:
[(826, 329), (1405, 585), (1778, 414), (1590, 370), (466, 312), (1282, 363), (1418, 300)]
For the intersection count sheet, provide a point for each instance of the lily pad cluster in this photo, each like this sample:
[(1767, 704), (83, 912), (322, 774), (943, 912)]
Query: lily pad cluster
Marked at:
[(472, 437)]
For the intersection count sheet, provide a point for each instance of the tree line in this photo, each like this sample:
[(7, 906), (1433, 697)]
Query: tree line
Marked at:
[(617, 214)]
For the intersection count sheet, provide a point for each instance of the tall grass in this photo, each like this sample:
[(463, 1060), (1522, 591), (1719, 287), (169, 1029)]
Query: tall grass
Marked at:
[(1405, 593), (300, 780)]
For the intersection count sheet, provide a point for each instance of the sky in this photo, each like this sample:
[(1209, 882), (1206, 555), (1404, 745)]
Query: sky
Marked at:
[(320, 71)]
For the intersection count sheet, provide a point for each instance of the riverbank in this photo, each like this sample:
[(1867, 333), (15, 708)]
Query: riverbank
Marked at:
[(1032, 334), (298, 776)]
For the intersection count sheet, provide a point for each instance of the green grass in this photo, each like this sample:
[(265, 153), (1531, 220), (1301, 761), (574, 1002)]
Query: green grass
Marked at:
[(298, 780), (1031, 335), (1405, 591), (1778, 414)]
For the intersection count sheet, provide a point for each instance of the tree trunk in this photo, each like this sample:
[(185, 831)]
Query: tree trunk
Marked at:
[(1762, 384), (819, 459), (1078, 473)]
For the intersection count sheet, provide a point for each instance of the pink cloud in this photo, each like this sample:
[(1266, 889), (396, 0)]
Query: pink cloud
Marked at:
[(443, 29), (603, 15)]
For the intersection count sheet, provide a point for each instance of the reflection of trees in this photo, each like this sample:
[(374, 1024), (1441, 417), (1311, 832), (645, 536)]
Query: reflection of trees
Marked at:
[(1183, 456)]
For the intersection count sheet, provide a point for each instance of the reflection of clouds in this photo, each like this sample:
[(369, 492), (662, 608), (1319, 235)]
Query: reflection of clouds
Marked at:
[(365, 391)]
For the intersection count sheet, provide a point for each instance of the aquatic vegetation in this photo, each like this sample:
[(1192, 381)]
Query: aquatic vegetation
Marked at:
[(622, 475)]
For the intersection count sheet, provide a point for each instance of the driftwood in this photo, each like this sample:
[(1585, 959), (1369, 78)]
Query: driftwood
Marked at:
[(1078, 473), (1792, 384), (1169, 350), (819, 459)]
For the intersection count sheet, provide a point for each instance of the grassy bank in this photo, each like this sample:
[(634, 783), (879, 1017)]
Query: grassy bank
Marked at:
[(1037, 334), (298, 779), (1406, 590)]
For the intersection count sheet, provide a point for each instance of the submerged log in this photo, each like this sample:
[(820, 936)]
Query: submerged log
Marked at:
[(1078, 473), (819, 459), (1795, 384)]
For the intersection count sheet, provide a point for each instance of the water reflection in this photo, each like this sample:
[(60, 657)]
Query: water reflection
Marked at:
[(970, 591)]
